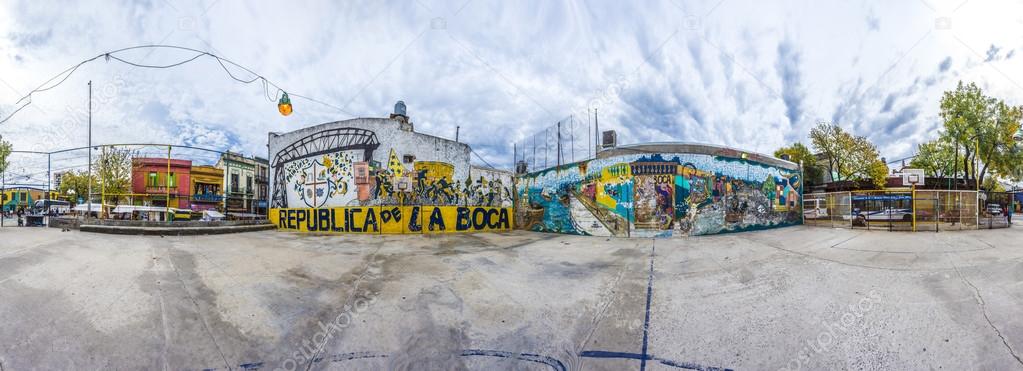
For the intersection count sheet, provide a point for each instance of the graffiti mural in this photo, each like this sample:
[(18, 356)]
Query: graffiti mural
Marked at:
[(660, 194), (349, 168), (394, 219)]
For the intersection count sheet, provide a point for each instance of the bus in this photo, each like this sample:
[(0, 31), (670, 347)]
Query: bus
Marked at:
[(56, 206)]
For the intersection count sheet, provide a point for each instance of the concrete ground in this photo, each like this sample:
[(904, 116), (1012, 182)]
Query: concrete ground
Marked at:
[(791, 298)]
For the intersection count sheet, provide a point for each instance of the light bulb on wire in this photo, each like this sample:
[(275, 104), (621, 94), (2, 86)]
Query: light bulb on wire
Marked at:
[(284, 104)]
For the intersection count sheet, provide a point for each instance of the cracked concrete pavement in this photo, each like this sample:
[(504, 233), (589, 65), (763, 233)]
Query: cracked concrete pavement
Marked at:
[(790, 298)]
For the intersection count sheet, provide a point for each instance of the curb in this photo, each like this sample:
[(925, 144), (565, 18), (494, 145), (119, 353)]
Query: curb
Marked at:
[(175, 231)]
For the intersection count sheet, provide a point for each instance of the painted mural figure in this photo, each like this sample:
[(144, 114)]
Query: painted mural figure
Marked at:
[(661, 194)]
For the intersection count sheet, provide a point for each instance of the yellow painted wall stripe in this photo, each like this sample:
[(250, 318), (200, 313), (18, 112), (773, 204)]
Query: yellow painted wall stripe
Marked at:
[(394, 219)]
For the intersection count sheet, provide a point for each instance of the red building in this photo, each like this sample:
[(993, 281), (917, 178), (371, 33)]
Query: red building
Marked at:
[(151, 182)]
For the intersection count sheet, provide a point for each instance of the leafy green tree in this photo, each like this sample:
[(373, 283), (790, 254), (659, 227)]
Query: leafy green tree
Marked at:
[(75, 184), (113, 170), (934, 157), (849, 157), (5, 150), (983, 132), (799, 153)]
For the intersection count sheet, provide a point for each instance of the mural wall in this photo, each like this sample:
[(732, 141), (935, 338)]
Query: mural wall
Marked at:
[(394, 219), (378, 168), (658, 195)]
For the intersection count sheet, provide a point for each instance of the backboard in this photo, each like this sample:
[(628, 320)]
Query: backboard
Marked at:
[(912, 177)]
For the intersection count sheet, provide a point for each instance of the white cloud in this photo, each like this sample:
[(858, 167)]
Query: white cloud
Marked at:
[(741, 73)]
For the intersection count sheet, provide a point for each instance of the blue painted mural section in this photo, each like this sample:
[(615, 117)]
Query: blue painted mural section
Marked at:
[(659, 194)]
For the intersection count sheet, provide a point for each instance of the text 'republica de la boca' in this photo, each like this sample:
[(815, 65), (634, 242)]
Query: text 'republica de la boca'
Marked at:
[(394, 219)]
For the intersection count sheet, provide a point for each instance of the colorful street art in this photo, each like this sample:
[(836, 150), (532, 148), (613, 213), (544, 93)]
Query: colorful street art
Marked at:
[(658, 195), (347, 175), (394, 219)]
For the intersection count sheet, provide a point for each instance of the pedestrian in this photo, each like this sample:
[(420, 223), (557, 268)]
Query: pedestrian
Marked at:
[(1009, 214)]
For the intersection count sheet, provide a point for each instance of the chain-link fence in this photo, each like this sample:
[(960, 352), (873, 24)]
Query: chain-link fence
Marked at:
[(995, 209), (569, 140), (922, 210)]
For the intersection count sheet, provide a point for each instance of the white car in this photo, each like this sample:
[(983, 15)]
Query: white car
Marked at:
[(888, 214), (994, 209), (815, 212)]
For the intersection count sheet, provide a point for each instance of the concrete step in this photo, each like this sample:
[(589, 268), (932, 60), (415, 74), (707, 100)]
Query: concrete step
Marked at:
[(175, 231)]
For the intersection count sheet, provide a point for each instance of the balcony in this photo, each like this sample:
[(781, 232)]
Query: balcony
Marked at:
[(260, 179), (207, 198), (239, 191), (161, 189)]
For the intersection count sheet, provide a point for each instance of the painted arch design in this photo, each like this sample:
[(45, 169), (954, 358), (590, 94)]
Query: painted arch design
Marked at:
[(319, 143)]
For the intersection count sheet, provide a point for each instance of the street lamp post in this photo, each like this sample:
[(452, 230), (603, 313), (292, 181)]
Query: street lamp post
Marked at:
[(88, 197)]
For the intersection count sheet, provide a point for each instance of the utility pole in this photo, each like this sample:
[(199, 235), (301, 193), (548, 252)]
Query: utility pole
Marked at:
[(559, 143), (456, 133), (167, 215), (596, 132), (572, 126), (534, 152), (3, 194), (88, 198), (515, 155)]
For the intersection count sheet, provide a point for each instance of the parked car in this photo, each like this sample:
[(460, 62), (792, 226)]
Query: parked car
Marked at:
[(818, 211), (994, 209)]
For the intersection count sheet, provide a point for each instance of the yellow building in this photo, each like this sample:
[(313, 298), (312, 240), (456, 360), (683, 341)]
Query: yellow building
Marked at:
[(23, 197), (207, 188)]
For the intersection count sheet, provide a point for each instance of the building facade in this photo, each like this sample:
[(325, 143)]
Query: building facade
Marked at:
[(207, 188), (378, 175), (242, 182), (366, 161), (16, 198), (161, 182)]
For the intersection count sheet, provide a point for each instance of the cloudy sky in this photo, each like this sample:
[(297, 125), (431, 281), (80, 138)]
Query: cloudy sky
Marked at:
[(749, 74)]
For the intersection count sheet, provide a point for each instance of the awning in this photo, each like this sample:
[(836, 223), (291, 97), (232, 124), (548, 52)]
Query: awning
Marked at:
[(85, 208), (214, 214), (126, 209)]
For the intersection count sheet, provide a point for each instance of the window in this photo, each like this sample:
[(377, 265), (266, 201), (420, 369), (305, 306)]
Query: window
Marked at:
[(248, 183), (234, 182), (151, 179), (408, 159), (170, 180)]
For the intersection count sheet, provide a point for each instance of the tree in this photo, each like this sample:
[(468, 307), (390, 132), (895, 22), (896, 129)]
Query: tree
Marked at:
[(75, 184), (934, 157), (849, 157), (5, 150), (798, 153), (983, 130), (113, 170)]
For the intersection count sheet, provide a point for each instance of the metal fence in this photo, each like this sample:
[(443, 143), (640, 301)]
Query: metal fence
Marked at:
[(922, 210), (569, 140)]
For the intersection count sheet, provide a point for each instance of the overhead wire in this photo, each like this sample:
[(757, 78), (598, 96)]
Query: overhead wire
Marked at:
[(65, 74)]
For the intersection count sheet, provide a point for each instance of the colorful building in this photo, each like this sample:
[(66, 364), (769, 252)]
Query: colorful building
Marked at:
[(23, 197), (245, 183), (155, 181), (207, 188)]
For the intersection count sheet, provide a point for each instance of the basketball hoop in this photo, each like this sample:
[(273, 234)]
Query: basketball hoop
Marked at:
[(912, 177)]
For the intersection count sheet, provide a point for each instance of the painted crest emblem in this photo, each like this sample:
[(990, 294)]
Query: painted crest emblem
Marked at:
[(315, 184)]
